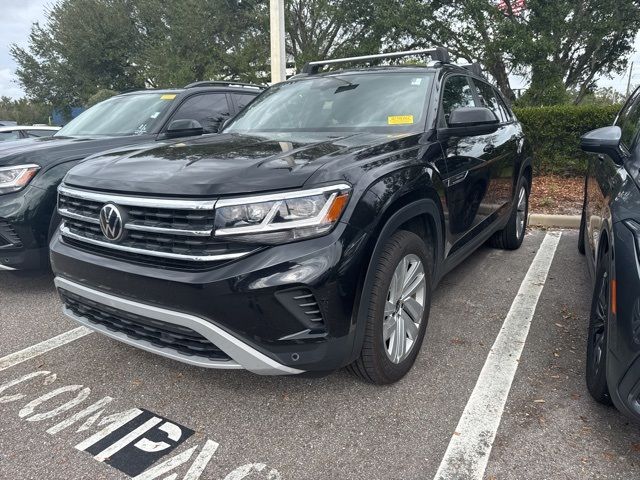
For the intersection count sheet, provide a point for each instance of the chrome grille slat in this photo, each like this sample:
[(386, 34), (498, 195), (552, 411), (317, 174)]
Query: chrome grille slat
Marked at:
[(172, 231), (203, 258), (176, 230)]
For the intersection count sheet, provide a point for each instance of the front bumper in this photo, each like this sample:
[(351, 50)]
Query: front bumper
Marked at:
[(243, 307), (24, 227), (623, 359), (240, 354)]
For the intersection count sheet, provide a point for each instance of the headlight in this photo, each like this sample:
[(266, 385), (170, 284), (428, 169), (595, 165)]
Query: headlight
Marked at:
[(13, 179), (281, 218)]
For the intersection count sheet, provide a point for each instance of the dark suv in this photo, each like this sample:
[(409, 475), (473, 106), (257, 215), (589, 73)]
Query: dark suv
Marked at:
[(309, 234), (31, 170)]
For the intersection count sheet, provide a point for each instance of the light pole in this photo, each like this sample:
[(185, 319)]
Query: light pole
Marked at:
[(278, 55)]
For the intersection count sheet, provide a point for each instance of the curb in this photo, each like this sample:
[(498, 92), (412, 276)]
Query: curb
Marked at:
[(554, 221)]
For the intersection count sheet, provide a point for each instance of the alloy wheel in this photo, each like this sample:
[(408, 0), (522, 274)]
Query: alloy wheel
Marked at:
[(404, 308), (599, 324), (521, 216)]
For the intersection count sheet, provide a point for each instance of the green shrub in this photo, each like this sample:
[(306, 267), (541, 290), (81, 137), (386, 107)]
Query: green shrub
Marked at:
[(554, 133)]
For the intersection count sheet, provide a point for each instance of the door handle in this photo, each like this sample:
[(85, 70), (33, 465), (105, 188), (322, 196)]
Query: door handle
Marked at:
[(489, 148)]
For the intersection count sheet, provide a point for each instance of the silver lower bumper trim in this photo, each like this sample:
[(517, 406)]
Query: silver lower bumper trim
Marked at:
[(241, 354), (4, 267)]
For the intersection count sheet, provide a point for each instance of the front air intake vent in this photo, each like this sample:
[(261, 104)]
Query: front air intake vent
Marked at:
[(8, 236), (302, 304)]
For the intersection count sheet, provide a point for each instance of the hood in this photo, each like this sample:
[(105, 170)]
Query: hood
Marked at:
[(214, 165), (50, 151)]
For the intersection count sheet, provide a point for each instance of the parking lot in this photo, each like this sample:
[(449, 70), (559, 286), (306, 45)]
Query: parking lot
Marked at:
[(234, 425)]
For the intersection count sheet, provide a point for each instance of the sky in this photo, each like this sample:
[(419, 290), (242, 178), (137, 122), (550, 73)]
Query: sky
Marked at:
[(18, 16)]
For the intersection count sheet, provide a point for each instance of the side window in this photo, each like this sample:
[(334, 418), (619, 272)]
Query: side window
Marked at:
[(242, 99), (40, 133), (629, 122), (489, 99), (14, 135), (457, 94), (210, 109)]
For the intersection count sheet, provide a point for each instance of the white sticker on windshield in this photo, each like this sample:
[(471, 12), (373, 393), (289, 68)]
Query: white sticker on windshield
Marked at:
[(155, 114), (416, 81)]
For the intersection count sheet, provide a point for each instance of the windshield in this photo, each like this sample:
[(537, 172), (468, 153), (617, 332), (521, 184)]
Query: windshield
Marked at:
[(388, 102), (122, 115)]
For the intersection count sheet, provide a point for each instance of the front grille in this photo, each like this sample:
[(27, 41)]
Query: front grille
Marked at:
[(8, 236), (178, 232), (161, 334)]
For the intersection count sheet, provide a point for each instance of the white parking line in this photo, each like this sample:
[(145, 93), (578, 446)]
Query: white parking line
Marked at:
[(469, 449), (43, 347)]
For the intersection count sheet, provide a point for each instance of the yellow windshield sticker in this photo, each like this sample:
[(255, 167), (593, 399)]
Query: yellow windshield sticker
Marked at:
[(168, 96), (400, 120)]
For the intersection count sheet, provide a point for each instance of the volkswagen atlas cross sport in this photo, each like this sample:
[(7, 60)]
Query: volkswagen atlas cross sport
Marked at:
[(610, 237), (309, 234), (31, 170)]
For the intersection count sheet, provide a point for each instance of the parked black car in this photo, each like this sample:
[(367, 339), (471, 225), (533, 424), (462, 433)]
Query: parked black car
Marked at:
[(31, 170), (610, 236), (308, 235)]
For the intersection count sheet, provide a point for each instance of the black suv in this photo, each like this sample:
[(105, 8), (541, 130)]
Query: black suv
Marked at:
[(610, 238), (309, 234), (31, 170)]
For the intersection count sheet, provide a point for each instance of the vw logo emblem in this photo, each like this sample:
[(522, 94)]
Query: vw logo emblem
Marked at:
[(111, 222)]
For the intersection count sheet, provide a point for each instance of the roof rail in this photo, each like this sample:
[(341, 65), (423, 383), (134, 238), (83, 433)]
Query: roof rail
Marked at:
[(474, 68), (222, 83), (439, 54)]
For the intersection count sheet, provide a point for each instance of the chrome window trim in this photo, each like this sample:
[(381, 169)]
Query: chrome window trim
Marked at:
[(152, 253), (242, 354), (138, 201)]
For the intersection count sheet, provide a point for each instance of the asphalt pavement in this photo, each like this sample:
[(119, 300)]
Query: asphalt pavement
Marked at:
[(94, 408)]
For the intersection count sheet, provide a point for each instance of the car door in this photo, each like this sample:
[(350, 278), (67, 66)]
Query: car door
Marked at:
[(468, 160), (209, 109), (603, 177), (501, 152)]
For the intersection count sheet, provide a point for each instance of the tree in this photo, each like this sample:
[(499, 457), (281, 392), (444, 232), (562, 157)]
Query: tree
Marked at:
[(196, 40), (569, 44), (560, 44), (84, 46), (470, 29), (88, 45), (23, 111), (320, 29)]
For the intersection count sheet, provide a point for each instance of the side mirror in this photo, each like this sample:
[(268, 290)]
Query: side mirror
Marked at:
[(605, 141), (184, 128), (470, 121)]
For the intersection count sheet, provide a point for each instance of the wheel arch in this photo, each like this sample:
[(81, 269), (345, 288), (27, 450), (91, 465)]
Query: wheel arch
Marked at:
[(418, 215)]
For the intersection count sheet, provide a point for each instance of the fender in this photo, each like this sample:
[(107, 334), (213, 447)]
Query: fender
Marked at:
[(406, 213)]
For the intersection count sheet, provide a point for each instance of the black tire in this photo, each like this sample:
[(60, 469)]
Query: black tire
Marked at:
[(582, 234), (596, 371), (512, 236), (373, 364)]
